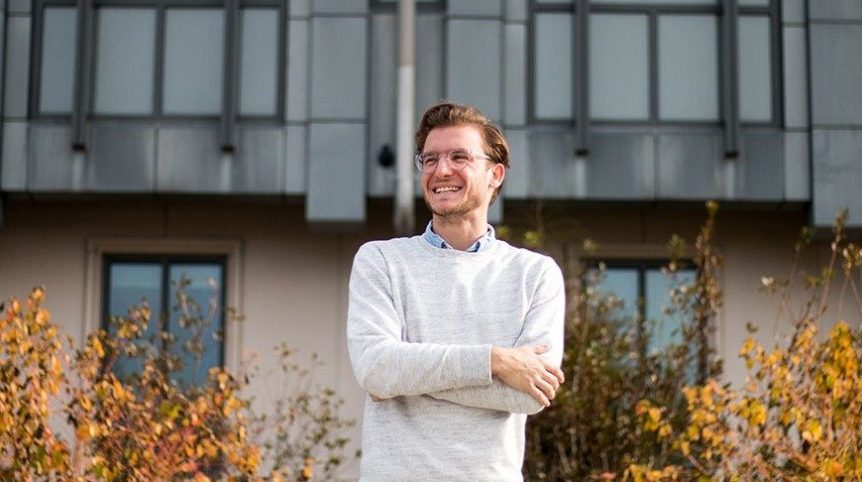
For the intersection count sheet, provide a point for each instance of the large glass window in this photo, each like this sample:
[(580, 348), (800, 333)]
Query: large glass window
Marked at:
[(644, 292), (129, 280), (650, 61), (163, 58)]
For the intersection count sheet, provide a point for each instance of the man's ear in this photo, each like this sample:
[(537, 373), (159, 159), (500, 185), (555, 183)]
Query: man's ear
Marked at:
[(498, 173)]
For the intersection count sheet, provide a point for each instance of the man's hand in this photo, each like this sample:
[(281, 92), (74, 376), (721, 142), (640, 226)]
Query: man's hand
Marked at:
[(523, 369)]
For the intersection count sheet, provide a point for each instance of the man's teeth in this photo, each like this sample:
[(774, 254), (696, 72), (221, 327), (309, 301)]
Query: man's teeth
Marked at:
[(446, 189)]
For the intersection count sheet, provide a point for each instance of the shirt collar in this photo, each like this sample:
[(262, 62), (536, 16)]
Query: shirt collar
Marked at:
[(481, 244)]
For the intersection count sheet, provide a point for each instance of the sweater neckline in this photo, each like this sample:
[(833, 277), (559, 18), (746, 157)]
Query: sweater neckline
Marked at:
[(454, 253)]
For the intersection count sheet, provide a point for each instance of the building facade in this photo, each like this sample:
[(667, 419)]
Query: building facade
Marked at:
[(246, 142)]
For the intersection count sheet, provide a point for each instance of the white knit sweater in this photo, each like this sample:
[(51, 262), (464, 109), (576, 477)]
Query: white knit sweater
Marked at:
[(421, 323)]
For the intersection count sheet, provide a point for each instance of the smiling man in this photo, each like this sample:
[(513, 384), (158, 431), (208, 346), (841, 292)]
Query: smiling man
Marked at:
[(455, 335)]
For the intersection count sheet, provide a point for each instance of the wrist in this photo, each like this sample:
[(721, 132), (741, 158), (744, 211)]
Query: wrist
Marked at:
[(496, 360)]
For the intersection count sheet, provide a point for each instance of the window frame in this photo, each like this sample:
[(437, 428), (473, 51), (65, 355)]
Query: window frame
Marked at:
[(230, 67), (162, 315), (642, 265), (652, 11)]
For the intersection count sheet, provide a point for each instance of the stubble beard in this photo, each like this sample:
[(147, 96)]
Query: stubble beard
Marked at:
[(454, 213)]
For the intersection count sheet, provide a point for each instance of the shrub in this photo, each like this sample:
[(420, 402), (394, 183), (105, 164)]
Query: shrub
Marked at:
[(799, 415), (147, 426), (592, 431)]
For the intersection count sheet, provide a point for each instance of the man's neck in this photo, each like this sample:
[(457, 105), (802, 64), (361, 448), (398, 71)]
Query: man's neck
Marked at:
[(462, 232)]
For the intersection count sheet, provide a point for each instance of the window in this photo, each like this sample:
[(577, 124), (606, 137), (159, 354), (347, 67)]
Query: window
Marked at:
[(162, 58), (652, 61), (128, 279), (645, 294)]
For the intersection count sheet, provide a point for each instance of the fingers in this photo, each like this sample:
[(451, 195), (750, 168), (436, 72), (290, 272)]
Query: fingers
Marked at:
[(552, 380), (556, 372), (539, 396), (546, 388)]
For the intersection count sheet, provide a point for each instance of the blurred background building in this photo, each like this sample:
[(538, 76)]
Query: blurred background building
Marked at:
[(251, 143)]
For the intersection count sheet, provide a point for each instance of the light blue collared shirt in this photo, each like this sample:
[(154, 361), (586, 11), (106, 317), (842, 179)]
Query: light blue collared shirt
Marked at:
[(486, 241)]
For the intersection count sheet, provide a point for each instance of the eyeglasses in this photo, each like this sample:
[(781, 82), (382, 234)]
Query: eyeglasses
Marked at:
[(458, 158)]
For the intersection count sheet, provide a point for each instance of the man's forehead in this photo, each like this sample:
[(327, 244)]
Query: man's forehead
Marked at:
[(467, 134)]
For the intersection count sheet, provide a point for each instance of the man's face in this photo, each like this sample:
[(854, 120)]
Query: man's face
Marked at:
[(452, 192)]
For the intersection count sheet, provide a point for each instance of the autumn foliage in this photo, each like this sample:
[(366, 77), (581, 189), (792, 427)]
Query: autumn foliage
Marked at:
[(146, 427), (798, 416)]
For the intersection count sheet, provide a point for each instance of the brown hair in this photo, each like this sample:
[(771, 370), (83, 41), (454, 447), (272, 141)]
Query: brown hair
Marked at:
[(449, 114)]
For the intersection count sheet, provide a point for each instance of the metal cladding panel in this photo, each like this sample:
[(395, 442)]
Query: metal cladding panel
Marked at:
[(383, 114), (190, 160), (517, 181), (16, 82), (297, 71), (516, 75), (836, 70), (338, 68), (689, 166), (795, 78), (793, 11), (797, 168), (340, 6), (837, 175), (51, 162), (621, 166), (296, 159), (552, 166), (259, 160), (491, 8), (760, 169), (429, 65), (13, 176), (471, 78), (122, 159), (835, 9), (516, 10), (336, 177)]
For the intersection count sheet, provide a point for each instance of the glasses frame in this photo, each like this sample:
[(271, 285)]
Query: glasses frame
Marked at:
[(456, 165)]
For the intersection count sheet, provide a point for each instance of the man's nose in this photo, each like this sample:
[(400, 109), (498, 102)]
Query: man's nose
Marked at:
[(443, 166)]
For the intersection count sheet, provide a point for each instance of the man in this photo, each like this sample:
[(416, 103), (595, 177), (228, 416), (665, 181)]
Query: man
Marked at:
[(456, 336)]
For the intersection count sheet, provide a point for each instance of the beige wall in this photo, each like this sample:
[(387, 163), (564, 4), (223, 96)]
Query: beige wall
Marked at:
[(292, 278)]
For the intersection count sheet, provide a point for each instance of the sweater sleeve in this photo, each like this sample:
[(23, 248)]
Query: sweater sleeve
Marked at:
[(543, 325), (384, 365)]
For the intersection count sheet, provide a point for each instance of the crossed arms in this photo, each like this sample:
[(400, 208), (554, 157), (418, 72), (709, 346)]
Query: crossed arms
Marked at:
[(518, 379)]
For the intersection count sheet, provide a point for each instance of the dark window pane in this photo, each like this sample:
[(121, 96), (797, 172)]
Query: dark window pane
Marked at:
[(622, 283), (665, 328), (130, 283), (201, 340)]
